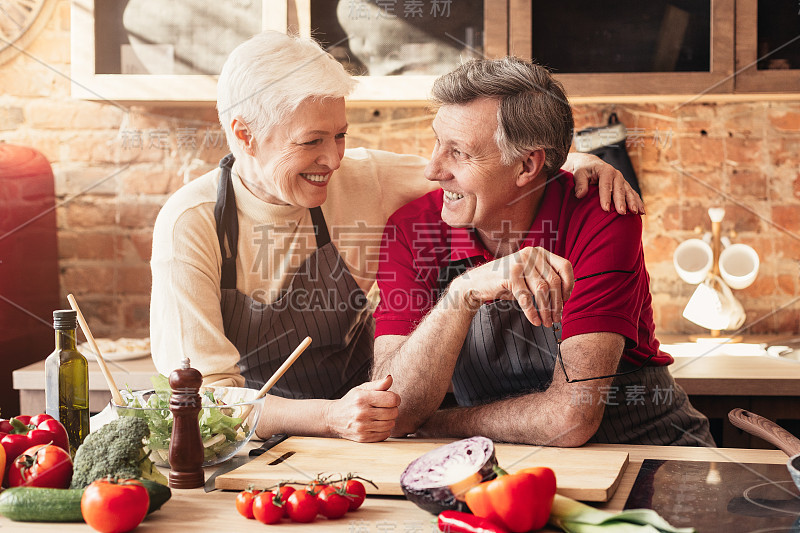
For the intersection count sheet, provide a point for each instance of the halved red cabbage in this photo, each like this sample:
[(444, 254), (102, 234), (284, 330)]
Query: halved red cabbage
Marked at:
[(438, 480)]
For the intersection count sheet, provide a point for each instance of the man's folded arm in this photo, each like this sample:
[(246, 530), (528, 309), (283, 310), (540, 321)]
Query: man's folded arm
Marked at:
[(422, 362), (566, 414)]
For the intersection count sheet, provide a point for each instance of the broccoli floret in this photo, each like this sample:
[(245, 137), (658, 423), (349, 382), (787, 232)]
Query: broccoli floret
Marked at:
[(116, 450)]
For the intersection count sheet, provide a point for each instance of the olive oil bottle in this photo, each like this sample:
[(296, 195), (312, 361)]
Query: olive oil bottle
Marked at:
[(67, 380)]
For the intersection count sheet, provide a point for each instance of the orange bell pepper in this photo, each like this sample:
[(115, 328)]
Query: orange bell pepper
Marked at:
[(519, 502)]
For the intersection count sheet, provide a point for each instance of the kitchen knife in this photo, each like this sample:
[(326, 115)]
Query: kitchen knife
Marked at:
[(239, 460)]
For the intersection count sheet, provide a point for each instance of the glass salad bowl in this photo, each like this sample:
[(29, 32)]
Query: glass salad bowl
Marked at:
[(227, 420)]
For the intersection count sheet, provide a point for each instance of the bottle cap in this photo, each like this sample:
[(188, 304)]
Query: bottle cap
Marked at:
[(65, 319)]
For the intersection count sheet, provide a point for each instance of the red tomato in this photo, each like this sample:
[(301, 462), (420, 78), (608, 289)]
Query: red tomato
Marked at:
[(45, 465), (114, 506), (285, 491), (302, 506), (356, 493), (332, 503), (316, 486), (244, 502), (265, 508)]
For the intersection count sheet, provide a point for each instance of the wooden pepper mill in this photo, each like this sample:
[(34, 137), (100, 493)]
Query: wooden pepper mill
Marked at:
[(186, 445)]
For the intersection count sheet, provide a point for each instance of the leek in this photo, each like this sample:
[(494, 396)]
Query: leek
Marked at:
[(576, 517)]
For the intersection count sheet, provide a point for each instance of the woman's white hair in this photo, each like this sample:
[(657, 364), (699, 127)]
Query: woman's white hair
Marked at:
[(266, 77)]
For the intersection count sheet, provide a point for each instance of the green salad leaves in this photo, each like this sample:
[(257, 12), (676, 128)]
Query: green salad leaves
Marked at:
[(220, 431)]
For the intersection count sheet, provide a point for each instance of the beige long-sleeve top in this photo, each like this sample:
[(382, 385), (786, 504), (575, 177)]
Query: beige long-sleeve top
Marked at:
[(274, 240)]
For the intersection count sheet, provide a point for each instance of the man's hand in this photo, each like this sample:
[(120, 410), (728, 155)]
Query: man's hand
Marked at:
[(539, 280), (367, 413), (589, 169)]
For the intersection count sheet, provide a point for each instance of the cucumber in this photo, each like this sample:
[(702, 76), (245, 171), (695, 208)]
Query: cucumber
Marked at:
[(159, 494), (35, 504)]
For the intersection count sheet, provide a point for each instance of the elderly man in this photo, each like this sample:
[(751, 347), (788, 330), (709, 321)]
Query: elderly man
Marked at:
[(474, 277)]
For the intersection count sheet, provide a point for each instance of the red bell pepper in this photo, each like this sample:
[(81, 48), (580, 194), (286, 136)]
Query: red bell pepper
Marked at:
[(519, 502), (20, 433)]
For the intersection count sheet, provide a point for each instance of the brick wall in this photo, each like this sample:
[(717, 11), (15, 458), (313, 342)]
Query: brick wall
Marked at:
[(115, 166)]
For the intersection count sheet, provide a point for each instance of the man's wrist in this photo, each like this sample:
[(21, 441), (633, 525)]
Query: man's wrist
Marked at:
[(460, 296)]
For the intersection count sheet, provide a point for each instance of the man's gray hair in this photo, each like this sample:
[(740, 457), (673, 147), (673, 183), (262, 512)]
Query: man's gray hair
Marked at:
[(533, 111), (266, 77)]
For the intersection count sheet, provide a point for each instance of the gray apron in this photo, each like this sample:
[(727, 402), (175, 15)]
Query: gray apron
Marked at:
[(323, 301), (505, 355)]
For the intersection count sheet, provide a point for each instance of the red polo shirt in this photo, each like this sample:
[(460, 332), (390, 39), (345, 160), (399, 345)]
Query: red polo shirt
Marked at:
[(417, 244)]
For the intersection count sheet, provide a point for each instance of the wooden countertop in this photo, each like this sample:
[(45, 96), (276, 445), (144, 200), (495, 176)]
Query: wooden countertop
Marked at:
[(726, 369), (133, 373), (215, 511), (737, 375)]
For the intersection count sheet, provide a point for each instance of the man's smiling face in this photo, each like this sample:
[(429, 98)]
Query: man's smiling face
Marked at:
[(467, 164)]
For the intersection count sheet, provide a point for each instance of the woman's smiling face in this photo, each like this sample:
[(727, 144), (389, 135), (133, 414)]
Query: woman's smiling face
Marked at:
[(296, 160)]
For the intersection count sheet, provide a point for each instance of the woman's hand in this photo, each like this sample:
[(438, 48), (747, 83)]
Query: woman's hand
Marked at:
[(367, 413), (589, 169)]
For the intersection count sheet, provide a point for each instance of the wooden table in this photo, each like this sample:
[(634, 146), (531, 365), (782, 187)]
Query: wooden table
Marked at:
[(214, 511), (716, 383)]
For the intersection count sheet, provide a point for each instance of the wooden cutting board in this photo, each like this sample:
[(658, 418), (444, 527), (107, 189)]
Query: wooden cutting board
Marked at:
[(588, 475)]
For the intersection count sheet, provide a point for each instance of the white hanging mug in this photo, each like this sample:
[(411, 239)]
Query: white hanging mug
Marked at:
[(738, 265), (693, 259), (713, 306)]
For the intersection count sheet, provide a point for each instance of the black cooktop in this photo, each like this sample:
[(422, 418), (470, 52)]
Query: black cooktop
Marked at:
[(725, 497)]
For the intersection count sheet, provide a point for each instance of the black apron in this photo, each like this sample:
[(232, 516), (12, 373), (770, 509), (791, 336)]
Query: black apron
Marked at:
[(505, 355), (323, 301)]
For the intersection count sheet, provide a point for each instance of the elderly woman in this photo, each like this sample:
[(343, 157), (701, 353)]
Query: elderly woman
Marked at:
[(251, 258)]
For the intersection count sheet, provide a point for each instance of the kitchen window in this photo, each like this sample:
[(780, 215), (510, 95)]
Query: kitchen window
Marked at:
[(767, 46), (149, 50), (629, 47), (396, 48), (153, 50)]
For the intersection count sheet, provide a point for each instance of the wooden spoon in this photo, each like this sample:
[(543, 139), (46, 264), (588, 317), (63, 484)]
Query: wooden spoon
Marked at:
[(277, 375), (284, 367), (112, 386)]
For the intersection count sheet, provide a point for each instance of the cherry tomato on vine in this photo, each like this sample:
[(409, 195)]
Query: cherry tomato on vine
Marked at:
[(302, 506), (316, 486), (285, 491), (356, 493), (266, 510), (45, 465), (332, 503), (244, 502), (114, 506)]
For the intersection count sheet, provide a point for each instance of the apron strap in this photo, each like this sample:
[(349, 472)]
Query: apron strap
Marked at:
[(227, 223), (450, 271), (225, 216), (453, 269), (320, 228)]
